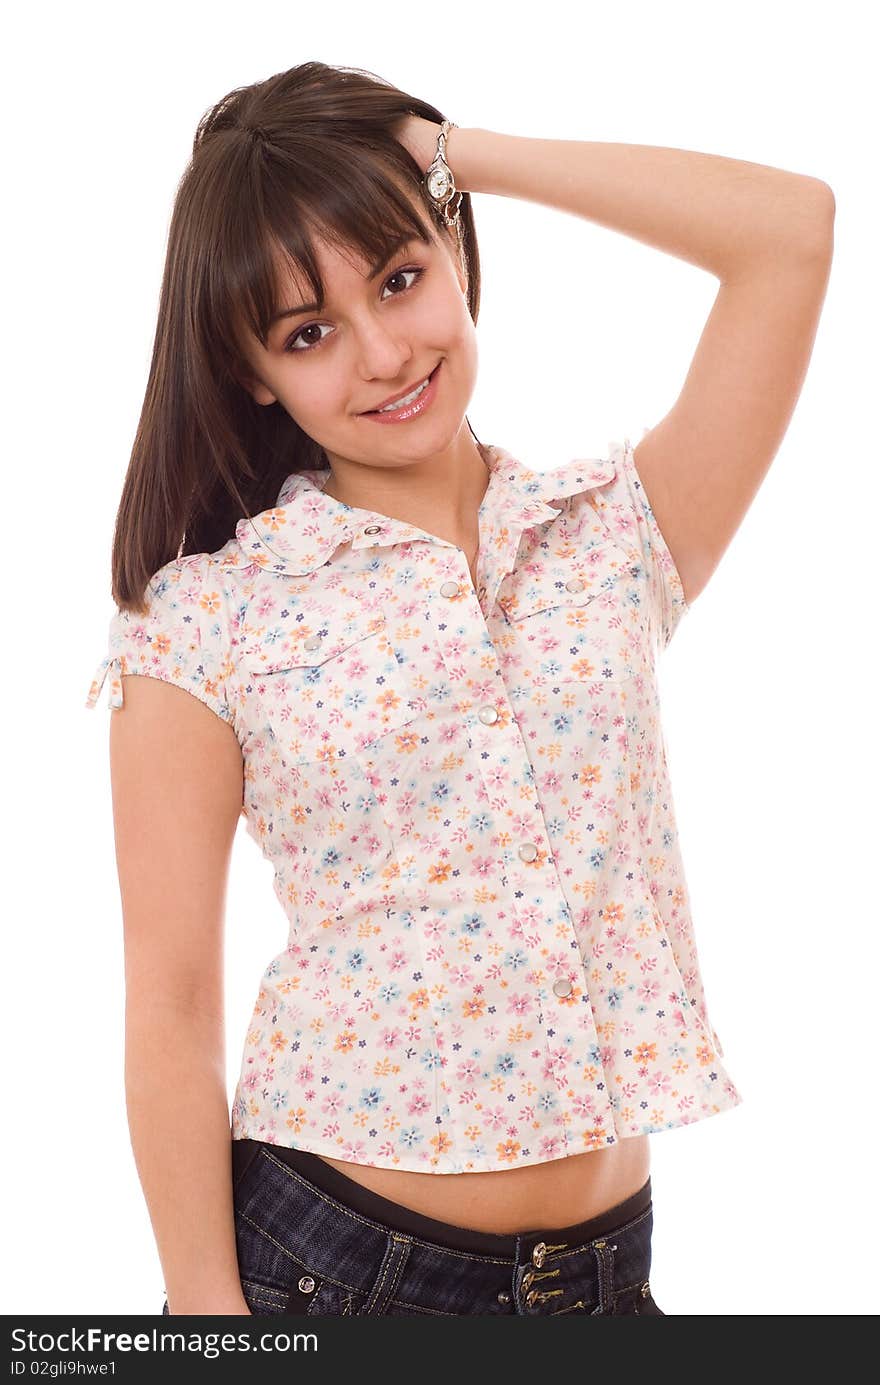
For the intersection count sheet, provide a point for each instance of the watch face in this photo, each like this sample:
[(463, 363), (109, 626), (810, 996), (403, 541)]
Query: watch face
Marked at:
[(438, 183)]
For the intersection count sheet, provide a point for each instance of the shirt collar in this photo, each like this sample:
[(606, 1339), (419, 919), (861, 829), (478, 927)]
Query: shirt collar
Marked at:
[(305, 527)]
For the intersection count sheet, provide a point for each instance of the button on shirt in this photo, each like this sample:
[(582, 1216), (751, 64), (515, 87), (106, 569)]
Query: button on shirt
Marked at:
[(465, 797)]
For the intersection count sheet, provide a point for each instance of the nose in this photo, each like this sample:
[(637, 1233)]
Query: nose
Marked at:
[(380, 353)]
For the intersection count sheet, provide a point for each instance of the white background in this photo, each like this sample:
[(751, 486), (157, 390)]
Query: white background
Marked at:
[(585, 337)]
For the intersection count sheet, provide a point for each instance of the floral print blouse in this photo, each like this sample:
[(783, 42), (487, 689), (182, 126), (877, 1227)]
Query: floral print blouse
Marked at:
[(464, 793)]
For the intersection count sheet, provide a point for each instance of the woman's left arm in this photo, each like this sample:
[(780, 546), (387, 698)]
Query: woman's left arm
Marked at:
[(724, 215), (765, 233)]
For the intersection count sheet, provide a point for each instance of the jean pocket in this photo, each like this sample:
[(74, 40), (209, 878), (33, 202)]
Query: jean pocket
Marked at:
[(636, 1298), (264, 1298), (308, 1296), (281, 1280), (646, 1303)]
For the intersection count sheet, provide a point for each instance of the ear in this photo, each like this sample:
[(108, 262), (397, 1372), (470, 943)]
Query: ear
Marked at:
[(260, 393)]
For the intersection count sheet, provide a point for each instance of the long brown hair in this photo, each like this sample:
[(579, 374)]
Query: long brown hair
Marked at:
[(307, 151)]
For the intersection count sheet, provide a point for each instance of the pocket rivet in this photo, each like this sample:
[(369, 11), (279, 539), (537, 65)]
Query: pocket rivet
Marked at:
[(306, 1284)]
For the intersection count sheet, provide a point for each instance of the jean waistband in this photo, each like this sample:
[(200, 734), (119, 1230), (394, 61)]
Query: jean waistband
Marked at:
[(325, 1236)]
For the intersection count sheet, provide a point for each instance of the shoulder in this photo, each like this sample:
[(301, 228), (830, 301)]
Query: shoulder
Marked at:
[(187, 572), (199, 585)]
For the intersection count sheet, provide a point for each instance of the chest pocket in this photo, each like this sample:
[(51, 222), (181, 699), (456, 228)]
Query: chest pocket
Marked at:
[(329, 689), (575, 620)]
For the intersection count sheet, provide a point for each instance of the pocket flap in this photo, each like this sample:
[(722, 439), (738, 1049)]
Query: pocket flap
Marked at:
[(311, 644), (589, 573)]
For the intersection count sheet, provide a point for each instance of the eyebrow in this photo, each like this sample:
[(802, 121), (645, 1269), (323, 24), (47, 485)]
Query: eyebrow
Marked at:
[(375, 271)]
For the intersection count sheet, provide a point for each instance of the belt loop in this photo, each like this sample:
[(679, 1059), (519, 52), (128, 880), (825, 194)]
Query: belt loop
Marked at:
[(396, 1255)]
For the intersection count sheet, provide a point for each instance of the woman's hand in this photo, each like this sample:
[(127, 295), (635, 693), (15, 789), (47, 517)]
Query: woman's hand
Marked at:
[(419, 138)]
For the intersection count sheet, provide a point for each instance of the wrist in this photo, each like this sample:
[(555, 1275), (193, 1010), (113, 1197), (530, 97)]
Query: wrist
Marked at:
[(481, 160), (458, 143)]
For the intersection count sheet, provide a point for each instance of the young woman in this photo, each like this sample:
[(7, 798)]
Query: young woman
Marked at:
[(424, 671)]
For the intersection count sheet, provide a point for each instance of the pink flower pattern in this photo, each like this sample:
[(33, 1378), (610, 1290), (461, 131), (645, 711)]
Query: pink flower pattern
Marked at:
[(464, 794)]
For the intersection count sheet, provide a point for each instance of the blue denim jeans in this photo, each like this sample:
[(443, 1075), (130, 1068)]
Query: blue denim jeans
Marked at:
[(305, 1251)]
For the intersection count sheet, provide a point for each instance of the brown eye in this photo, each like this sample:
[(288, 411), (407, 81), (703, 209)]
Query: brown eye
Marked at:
[(300, 332), (292, 349)]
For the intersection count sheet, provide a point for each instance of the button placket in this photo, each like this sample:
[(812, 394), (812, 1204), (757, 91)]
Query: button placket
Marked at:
[(536, 1272), (528, 851), (604, 1253)]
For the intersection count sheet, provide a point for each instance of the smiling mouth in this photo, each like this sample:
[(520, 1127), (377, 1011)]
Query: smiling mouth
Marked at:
[(410, 396)]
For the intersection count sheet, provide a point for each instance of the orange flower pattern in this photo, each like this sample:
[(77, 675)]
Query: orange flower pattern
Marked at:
[(465, 798)]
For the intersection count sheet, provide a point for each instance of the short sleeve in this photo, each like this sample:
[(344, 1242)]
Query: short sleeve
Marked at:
[(183, 638), (627, 511)]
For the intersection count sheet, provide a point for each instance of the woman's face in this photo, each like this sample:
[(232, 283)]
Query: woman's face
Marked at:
[(378, 336)]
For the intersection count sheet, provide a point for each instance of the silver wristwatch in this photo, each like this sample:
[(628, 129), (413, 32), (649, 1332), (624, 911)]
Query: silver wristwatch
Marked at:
[(439, 181)]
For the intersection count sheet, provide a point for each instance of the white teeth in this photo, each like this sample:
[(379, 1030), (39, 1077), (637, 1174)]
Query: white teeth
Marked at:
[(408, 399)]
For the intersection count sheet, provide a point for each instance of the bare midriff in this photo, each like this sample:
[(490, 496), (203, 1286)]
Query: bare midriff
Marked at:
[(561, 1192)]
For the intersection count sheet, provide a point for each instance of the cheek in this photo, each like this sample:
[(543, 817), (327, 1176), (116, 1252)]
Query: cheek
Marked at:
[(445, 315), (461, 324), (462, 341), (452, 334), (323, 394)]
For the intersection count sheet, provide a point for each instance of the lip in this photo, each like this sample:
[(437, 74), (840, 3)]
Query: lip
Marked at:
[(401, 394)]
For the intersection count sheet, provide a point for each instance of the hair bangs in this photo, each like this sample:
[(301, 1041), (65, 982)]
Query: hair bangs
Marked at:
[(360, 208)]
